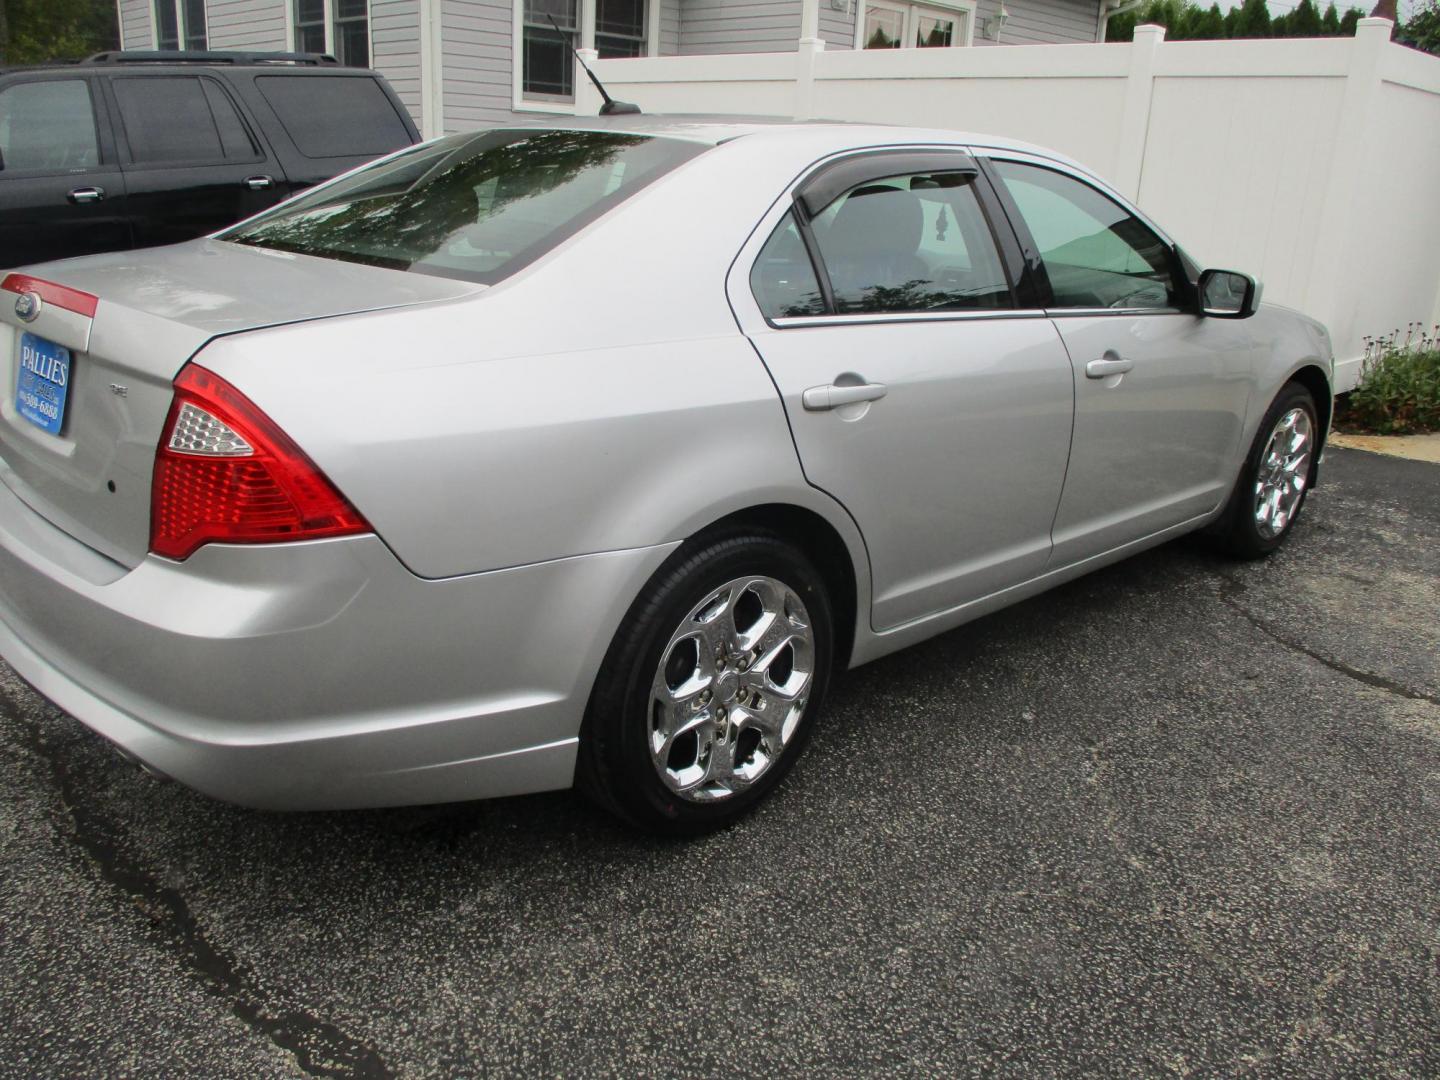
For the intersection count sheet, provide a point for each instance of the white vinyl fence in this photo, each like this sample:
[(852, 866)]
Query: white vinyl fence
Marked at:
[(1314, 164)]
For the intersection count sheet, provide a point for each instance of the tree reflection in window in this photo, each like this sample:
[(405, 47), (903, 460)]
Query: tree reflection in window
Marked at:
[(472, 206)]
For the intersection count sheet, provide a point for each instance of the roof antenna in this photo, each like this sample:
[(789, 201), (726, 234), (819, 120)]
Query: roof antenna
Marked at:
[(611, 106)]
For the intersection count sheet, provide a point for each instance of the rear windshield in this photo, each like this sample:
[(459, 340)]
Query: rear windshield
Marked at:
[(475, 207)]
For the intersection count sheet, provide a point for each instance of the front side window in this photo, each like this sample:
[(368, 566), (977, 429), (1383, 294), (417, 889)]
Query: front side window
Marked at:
[(47, 126), (474, 207), (1096, 253), (911, 243), (892, 25)]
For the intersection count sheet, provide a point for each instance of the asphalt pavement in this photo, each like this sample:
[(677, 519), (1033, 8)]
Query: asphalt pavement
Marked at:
[(1181, 817)]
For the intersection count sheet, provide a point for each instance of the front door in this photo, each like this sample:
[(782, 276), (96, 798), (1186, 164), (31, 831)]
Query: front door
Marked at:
[(936, 413), (1160, 392), (61, 193)]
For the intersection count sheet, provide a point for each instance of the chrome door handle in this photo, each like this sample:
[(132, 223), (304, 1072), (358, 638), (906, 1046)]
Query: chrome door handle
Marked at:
[(82, 196), (259, 183), (818, 398), (1110, 365)]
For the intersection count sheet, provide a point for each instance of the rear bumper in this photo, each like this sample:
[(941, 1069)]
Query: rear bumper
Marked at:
[(316, 675)]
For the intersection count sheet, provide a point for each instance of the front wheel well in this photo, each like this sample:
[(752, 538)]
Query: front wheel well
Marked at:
[(1314, 380), (823, 546)]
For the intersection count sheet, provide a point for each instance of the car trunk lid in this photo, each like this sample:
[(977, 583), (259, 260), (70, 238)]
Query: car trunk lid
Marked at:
[(89, 349)]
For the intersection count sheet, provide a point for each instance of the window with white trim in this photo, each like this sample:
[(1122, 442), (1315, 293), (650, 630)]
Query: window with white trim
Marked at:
[(547, 67), (889, 24), (338, 27), (180, 24)]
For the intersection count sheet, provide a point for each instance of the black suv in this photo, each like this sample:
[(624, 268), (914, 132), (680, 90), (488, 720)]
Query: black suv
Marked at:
[(132, 149)]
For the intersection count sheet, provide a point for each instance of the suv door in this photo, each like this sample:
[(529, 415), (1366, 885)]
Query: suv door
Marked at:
[(919, 395), (1160, 393), (192, 165), (61, 193)]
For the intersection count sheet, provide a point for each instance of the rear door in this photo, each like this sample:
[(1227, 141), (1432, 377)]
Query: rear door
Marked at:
[(61, 191), (920, 394), (1160, 393), (191, 162)]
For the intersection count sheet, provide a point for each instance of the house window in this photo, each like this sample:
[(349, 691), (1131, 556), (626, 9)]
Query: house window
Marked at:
[(548, 67), (352, 32), (620, 28), (180, 24), (310, 26), (338, 27), (892, 25)]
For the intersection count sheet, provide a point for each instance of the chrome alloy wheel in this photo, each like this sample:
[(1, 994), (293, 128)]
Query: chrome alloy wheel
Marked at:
[(731, 688), (1283, 472)]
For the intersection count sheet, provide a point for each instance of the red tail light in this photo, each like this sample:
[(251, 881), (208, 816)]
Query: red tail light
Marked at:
[(224, 472)]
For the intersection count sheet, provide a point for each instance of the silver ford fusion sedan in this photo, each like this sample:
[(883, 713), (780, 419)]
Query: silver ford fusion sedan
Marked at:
[(586, 453)]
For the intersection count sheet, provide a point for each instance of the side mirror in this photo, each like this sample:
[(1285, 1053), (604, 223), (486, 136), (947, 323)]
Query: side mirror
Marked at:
[(1228, 294)]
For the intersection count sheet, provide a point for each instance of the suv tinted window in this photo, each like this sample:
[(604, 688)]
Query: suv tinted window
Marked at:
[(171, 118), (1096, 253), (911, 243), (48, 125), (335, 115), (476, 207)]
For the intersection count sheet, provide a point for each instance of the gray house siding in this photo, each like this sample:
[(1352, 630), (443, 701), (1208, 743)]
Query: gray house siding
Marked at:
[(254, 25), (670, 27), (395, 49), (476, 37), (135, 31), (1040, 22), (738, 26)]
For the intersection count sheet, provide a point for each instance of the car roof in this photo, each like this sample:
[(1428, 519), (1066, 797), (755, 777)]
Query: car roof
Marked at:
[(719, 128)]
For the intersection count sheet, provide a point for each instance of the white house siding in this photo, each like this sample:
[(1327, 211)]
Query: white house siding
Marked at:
[(249, 25), (135, 31), (476, 49), (395, 49)]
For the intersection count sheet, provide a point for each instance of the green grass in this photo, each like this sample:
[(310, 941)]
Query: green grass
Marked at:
[(1399, 390)]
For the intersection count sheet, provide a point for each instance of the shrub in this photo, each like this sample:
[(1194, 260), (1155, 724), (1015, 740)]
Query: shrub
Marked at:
[(1399, 389)]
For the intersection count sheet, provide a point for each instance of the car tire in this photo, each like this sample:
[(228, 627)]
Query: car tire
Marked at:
[(1276, 477), (681, 741)]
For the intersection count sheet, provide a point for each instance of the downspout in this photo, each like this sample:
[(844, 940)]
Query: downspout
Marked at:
[(1113, 7)]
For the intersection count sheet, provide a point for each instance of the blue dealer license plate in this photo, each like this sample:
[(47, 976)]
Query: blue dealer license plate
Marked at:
[(42, 383)]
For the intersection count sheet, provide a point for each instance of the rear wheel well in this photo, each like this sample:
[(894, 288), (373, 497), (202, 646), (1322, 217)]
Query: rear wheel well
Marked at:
[(823, 546)]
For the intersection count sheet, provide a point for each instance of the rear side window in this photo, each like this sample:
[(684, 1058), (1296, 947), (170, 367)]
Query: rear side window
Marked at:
[(180, 118), (911, 243), (335, 115), (783, 280), (475, 207), (48, 126)]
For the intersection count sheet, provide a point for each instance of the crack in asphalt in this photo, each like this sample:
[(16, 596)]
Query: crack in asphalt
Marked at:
[(320, 1048), (1230, 592)]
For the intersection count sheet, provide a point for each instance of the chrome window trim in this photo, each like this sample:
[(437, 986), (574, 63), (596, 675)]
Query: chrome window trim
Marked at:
[(1061, 313), (860, 317)]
